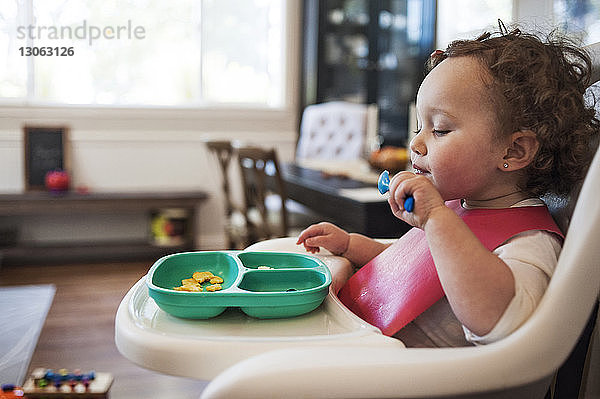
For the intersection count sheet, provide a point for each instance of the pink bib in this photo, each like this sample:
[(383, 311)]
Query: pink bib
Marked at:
[(402, 282)]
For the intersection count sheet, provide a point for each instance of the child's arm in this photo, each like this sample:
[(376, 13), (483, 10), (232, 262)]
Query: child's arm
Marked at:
[(479, 285), (358, 249)]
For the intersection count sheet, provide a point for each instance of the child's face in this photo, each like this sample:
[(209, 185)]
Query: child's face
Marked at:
[(457, 147)]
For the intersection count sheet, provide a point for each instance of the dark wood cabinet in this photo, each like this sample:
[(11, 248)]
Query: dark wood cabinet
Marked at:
[(367, 51)]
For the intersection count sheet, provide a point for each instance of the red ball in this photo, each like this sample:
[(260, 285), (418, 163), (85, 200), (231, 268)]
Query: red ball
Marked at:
[(57, 180)]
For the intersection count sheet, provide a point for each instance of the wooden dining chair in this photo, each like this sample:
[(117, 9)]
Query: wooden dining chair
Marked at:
[(225, 152), (263, 187)]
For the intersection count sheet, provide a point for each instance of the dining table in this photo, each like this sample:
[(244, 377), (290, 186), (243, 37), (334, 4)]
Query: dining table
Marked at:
[(345, 193)]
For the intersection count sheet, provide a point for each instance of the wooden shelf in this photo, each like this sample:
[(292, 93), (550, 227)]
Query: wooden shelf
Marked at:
[(87, 252), (45, 203)]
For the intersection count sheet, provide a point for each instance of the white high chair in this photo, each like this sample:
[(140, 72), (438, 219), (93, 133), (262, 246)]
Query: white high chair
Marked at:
[(519, 366)]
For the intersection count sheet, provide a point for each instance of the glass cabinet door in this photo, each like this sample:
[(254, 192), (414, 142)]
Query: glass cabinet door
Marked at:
[(405, 38), (368, 52), (344, 56)]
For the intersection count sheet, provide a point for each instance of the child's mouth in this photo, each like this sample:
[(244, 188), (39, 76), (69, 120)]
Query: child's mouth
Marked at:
[(420, 171)]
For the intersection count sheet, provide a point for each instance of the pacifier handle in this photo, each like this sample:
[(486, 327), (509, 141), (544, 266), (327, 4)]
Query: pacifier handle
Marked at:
[(383, 185)]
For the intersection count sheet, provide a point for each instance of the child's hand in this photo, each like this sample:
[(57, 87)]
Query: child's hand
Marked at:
[(426, 196), (325, 235)]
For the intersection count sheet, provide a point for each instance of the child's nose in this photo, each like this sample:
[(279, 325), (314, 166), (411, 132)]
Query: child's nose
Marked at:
[(417, 145)]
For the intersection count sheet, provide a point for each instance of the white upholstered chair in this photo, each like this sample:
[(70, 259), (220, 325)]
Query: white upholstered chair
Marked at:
[(332, 130)]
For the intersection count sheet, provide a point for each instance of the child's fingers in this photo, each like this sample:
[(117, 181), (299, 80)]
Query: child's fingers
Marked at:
[(311, 231), (304, 234), (399, 178), (324, 235), (310, 249), (325, 241), (314, 237), (400, 190), (425, 196)]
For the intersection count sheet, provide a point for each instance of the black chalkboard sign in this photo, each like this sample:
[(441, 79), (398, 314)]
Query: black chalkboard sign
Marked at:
[(44, 151)]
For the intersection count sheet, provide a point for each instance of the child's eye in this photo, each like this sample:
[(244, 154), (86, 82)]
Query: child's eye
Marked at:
[(417, 131), (440, 132)]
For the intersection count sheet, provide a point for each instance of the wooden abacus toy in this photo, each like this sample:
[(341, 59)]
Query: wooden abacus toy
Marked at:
[(45, 383)]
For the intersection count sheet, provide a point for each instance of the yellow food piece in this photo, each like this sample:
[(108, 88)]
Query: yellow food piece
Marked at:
[(194, 284), (265, 267), (189, 288), (214, 287), (201, 277)]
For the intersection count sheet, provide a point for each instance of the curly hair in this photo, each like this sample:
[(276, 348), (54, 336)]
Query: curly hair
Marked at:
[(538, 86)]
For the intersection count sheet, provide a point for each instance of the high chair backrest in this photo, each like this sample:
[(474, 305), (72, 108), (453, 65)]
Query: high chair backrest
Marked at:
[(258, 166), (332, 130)]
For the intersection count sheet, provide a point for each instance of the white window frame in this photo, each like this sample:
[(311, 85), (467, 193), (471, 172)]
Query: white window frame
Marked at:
[(221, 117)]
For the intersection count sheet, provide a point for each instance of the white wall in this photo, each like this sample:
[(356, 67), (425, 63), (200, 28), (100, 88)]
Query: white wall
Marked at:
[(139, 155)]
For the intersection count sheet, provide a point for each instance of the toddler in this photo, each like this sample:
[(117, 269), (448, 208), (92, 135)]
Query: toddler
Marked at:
[(501, 122)]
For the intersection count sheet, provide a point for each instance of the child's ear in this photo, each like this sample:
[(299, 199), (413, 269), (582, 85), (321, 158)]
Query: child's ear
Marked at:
[(521, 150)]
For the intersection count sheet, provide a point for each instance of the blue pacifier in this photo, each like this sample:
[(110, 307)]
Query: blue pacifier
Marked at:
[(383, 185)]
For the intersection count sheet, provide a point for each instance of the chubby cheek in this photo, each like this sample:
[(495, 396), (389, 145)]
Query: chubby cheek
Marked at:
[(455, 177), (448, 182)]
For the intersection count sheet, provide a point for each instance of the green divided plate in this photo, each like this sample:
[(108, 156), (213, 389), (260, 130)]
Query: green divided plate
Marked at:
[(295, 283)]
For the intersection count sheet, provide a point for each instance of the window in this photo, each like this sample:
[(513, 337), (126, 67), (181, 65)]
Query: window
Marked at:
[(580, 19), (183, 53), (467, 18)]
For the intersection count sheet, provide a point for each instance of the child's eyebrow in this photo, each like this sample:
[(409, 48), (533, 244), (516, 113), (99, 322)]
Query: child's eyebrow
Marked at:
[(437, 111)]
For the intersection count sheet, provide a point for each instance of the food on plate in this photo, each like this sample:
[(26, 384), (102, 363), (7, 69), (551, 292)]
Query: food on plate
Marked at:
[(194, 284), (214, 287), (201, 277)]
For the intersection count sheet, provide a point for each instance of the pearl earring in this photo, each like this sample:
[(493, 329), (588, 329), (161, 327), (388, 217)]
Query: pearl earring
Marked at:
[(505, 165)]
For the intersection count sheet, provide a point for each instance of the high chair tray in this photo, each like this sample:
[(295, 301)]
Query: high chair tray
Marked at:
[(262, 284), (202, 348)]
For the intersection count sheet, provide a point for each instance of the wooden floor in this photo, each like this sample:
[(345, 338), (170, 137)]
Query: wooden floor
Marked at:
[(79, 329)]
